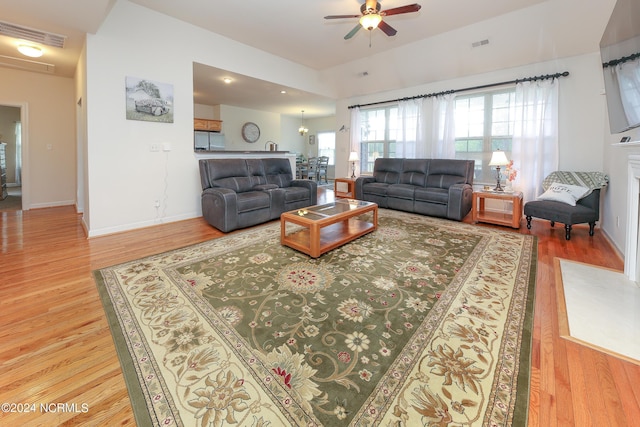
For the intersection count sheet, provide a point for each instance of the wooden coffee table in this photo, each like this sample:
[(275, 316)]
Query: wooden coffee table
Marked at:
[(325, 227)]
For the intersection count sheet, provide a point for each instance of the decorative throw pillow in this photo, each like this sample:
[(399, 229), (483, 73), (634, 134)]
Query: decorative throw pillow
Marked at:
[(564, 193)]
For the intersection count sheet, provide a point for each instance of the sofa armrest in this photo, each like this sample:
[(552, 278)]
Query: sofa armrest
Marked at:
[(311, 185), (460, 200), (220, 208), (360, 181)]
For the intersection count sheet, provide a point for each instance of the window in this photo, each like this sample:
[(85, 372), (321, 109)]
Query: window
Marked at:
[(484, 124), (377, 137), (327, 146)]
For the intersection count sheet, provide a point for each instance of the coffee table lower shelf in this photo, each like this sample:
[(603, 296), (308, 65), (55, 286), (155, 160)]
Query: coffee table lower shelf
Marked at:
[(315, 238), (330, 237)]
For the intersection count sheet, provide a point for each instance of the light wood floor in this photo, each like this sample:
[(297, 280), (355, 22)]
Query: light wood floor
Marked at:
[(56, 347)]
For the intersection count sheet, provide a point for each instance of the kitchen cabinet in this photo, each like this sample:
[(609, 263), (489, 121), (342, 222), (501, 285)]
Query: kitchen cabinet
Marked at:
[(207, 125)]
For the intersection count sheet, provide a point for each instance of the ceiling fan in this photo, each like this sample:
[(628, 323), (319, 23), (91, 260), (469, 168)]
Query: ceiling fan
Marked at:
[(371, 17)]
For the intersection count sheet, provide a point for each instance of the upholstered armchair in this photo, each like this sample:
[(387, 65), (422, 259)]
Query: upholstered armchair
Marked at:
[(570, 198)]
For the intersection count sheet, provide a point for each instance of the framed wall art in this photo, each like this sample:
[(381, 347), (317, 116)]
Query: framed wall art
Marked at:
[(148, 100)]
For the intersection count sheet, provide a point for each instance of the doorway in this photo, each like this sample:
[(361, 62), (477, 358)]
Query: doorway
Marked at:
[(11, 198)]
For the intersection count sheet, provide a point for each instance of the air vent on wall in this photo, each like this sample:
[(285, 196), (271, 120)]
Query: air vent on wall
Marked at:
[(480, 43), (31, 34)]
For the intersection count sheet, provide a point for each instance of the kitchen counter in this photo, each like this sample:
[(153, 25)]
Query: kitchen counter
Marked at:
[(240, 151), (246, 154)]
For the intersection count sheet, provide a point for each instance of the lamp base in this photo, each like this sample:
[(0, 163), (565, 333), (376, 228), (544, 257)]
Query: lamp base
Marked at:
[(498, 186)]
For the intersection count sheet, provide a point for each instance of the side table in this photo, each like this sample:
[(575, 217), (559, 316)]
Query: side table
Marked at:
[(345, 187), (510, 218)]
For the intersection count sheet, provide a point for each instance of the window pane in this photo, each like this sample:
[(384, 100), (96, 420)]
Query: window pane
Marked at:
[(327, 145), (378, 134), (483, 125)]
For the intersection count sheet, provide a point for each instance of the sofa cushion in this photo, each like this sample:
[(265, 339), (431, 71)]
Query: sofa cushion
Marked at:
[(377, 188), (432, 195), (401, 191), (265, 187), (278, 172), (387, 170), (414, 172), (253, 200), (215, 170), (295, 194), (444, 180), (462, 168), (239, 184)]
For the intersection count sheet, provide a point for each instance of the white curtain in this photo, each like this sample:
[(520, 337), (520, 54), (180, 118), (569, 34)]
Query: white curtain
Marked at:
[(444, 127), (628, 75), (354, 139), (535, 137), (410, 141)]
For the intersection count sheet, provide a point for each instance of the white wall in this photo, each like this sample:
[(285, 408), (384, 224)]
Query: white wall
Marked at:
[(48, 117), (125, 179), (233, 118)]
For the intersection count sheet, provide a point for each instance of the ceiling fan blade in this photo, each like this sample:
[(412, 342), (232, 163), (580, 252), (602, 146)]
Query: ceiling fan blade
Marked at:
[(353, 32), (387, 29), (402, 9), (341, 16)]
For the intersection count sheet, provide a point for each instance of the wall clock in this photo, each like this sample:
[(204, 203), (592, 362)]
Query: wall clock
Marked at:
[(250, 132)]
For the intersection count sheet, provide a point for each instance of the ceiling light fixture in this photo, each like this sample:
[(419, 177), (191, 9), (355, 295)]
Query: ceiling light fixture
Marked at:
[(302, 130), (30, 50), (227, 80), (370, 20)]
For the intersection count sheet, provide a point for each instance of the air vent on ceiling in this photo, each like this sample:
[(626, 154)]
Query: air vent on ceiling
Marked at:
[(480, 43), (25, 64), (31, 34)]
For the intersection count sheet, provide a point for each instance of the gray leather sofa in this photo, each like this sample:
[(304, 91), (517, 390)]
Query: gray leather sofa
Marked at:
[(434, 187), (238, 193)]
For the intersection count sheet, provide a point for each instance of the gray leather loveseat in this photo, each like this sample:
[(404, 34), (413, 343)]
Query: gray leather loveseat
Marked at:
[(434, 187), (238, 193)]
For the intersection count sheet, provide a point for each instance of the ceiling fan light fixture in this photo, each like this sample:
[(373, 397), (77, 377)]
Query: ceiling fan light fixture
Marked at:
[(30, 50), (370, 21)]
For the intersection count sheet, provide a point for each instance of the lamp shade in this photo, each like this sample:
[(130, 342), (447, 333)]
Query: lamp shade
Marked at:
[(353, 156), (370, 21), (498, 159)]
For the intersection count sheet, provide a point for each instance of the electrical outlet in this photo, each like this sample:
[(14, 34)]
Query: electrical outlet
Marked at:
[(157, 203), (155, 147)]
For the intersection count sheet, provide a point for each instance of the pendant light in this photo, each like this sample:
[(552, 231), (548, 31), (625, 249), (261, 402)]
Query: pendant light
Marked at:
[(302, 130)]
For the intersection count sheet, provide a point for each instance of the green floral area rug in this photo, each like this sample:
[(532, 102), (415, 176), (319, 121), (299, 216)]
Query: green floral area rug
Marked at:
[(423, 322)]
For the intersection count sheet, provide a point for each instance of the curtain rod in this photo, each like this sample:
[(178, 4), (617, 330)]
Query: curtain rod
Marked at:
[(527, 79), (620, 60)]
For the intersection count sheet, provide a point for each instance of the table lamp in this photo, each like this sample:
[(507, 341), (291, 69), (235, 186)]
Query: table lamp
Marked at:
[(498, 158), (353, 158)]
